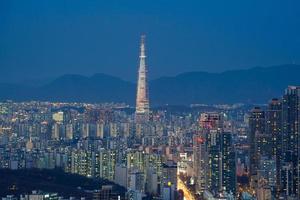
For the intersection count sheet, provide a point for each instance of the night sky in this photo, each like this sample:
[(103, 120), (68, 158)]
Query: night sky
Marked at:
[(48, 38)]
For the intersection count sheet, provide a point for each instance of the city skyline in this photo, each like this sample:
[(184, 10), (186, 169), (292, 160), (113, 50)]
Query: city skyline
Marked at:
[(208, 108)]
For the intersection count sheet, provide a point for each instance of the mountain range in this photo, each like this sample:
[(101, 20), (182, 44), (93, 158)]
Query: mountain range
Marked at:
[(255, 85)]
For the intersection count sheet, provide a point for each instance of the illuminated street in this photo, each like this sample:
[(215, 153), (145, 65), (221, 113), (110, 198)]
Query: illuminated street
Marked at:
[(187, 194)]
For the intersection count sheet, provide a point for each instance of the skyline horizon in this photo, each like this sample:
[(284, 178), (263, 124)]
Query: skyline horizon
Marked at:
[(252, 86), (48, 79)]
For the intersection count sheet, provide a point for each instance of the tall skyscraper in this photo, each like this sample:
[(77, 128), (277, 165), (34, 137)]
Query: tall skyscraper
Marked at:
[(214, 161), (256, 139), (228, 163), (273, 129), (142, 98), (210, 121), (291, 140), (273, 125), (200, 162)]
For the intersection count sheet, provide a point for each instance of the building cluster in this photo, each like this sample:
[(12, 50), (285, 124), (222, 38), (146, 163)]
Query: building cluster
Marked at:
[(214, 157), (274, 147), (218, 152), (105, 141), (97, 141)]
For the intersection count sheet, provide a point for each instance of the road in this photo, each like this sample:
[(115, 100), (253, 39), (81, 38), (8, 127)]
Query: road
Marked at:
[(187, 194)]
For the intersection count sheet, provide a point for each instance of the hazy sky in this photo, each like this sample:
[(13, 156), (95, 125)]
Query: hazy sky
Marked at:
[(47, 38)]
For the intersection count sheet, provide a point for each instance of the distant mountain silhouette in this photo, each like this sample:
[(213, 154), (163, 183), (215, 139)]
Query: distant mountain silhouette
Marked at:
[(97, 88), (255, 85)]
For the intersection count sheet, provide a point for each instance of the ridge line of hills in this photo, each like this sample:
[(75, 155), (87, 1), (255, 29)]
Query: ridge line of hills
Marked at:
[(255, 85)]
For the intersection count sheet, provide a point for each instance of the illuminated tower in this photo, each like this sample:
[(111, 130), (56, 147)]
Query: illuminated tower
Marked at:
[(142, 97)]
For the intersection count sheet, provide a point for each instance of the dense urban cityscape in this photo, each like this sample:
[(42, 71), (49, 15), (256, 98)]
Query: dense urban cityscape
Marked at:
[(191, 152)]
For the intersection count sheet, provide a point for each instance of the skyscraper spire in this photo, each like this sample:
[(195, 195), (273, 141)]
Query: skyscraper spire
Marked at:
[(142, 97)]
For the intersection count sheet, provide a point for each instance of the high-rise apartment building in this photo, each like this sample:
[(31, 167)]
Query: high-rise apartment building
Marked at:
[(256, 139), (291, 139), (228, 166), (273, 130)]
